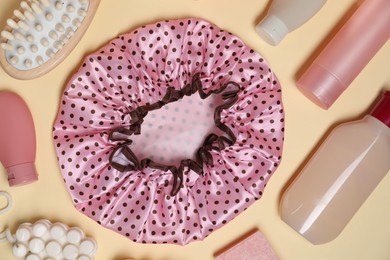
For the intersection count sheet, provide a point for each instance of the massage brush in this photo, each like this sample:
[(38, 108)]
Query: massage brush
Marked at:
[(42, 33), (46, 240)]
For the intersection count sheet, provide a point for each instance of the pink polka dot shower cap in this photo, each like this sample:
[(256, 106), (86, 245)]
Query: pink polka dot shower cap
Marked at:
[(168, 132)]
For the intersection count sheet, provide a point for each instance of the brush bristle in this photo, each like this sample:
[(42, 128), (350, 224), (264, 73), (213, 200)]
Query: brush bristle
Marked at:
[(39, 29)]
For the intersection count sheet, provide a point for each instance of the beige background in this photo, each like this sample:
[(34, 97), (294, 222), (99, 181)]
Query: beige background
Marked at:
[(368, 234)]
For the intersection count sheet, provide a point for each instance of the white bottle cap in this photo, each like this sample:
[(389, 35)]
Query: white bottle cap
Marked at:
[(272, 29)]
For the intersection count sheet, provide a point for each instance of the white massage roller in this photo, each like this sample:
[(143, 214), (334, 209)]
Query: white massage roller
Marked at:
[(45, 240), (41, 33)]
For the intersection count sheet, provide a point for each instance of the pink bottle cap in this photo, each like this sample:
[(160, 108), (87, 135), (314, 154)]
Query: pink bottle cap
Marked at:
[(22, 174), (320, 86), (382, 109)]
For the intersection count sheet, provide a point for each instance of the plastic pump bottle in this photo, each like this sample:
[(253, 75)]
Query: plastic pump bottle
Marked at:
[(345, 56), (340, 176), (284, 16), (17, 140)]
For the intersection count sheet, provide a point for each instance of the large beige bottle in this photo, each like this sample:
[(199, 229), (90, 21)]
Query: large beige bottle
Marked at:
[(340, 176)]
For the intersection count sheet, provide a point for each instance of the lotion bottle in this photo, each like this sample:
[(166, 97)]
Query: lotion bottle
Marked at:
[(345, 56), (340, 176), (17, 140), (285, 16)]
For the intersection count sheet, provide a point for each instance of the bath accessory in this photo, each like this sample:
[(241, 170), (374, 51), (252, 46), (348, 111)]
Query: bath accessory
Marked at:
[(284, 16), (253, 246), (155, 87), (41, 33), (340, 176), (345, 56), (17, 139), (8, 203), (46, 240), (3, 210)]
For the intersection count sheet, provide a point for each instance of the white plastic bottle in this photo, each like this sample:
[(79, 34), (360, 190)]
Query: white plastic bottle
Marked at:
[(343, 172), (284, 16)]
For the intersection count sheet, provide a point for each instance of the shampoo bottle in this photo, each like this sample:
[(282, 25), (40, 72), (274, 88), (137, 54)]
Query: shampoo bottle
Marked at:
[(340, 176), (284, 16), (354, 45), (17, 140)]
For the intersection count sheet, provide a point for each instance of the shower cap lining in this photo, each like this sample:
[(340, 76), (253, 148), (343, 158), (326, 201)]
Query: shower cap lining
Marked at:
[(212, 141)]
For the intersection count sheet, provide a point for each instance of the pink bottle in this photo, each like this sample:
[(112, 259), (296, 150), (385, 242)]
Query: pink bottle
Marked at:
[(17, 140), (347, 53)]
